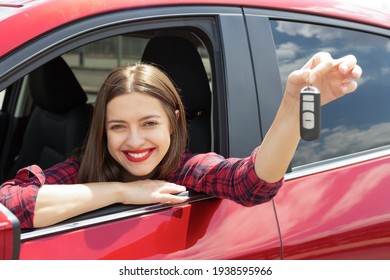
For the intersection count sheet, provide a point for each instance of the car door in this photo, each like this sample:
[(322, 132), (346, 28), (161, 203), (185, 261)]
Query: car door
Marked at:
[(205, 227), (334, 204)]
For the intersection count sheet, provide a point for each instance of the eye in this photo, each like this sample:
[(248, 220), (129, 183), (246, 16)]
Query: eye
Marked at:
[(150, 123), (116, 126)]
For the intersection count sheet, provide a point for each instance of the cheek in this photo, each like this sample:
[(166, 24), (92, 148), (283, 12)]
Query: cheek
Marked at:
[(113, 142), (163, 137)]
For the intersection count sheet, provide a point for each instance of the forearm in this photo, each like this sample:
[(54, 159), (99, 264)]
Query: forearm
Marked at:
[(279, 145), (56, 203)]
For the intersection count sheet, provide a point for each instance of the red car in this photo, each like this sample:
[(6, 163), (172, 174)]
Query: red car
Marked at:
[(236, 55)]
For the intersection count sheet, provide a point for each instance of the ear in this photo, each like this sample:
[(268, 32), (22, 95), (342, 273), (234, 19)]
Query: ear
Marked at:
[(177, 113)]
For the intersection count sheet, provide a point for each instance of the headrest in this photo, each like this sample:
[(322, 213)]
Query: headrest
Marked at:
[(180, 59), (54, 87)]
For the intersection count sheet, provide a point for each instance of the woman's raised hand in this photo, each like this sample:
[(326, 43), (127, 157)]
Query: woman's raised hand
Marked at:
[(334, 77)]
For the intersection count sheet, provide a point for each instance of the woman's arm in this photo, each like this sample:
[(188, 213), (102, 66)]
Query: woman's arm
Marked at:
[(56, 203), (334, 78)]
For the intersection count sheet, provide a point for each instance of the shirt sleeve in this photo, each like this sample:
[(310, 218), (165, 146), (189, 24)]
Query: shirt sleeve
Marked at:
[(232, 178), (19, 195)]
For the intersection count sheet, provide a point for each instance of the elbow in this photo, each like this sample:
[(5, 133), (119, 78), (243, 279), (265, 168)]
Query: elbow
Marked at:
[(260, 193), (255, 200), (20, 201)]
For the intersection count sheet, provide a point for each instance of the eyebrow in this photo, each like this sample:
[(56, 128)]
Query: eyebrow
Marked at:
[(141, 119)]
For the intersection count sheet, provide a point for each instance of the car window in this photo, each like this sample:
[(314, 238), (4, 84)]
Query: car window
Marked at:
[(358, 122), (91, 63)]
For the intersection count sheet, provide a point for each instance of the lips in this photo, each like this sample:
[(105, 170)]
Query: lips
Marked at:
[(138, 155)]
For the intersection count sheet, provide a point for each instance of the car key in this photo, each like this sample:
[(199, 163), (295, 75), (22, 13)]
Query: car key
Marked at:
[(310, 113)]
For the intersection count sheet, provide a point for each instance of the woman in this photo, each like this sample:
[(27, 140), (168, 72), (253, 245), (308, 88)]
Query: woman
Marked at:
[(135, 151)]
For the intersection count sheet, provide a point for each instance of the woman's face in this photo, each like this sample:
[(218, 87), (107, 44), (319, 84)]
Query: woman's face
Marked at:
[(138, 132)]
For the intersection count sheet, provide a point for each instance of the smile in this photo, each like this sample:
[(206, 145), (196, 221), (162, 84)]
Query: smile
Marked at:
[(138, 156)]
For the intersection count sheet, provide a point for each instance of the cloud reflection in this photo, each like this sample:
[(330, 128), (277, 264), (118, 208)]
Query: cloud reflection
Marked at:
[(342, 140), (357, 122), (309, 31)]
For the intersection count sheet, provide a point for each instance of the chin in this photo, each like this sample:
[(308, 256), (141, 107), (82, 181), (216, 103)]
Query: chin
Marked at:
[(145, 174)]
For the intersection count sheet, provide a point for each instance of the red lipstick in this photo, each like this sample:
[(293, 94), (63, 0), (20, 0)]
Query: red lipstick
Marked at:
[(138, 155)]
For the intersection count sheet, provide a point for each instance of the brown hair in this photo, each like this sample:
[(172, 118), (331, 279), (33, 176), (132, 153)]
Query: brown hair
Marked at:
[(97, 165)]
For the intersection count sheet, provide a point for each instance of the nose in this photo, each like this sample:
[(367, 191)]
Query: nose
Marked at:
[(135, 139)]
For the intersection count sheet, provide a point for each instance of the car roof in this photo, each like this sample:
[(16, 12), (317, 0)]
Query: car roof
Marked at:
[(23, 20)]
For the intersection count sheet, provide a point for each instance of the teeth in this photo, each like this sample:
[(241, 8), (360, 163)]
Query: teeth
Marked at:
[(139, 155)]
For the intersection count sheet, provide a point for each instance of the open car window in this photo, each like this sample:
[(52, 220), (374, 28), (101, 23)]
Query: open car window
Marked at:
[(90, 64)]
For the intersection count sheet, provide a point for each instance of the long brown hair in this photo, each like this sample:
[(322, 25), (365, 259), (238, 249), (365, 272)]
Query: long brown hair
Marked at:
[(96, 163)]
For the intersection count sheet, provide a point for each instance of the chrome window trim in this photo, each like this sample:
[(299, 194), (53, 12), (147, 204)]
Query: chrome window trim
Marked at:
[(65, 227), (337, 162)]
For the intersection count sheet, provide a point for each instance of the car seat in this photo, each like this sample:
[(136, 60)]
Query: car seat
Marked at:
[(60, 119), (180, 59)]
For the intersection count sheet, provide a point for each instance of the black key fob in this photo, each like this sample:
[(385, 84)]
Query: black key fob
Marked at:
[(310, 113)]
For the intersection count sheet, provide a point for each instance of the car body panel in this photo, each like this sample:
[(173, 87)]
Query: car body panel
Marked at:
[(340, 214), (203, 230), (9, 235)]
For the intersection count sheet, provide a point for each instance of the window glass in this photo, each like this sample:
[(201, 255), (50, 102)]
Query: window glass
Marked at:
[(92, 63), (357, 122)]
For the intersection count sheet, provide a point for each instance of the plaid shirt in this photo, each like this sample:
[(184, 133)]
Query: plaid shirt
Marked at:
[(210, 173)]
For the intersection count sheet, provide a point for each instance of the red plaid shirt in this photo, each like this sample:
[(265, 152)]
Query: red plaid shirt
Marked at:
[(210, 173)]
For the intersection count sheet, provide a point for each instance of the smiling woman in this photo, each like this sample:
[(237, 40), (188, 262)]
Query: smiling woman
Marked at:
[(141, 134), (138, 138), (142, 113), (121, 131)]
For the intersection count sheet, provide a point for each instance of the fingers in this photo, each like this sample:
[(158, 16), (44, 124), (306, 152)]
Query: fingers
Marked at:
[(349, 86), (171, 188), (356, 72), (167, 193), (152, 191), (322, 63), (319, 64), (172, 199), (346, 63)]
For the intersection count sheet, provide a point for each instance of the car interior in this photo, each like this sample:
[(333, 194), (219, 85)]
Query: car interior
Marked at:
[(59, 120), (180, 59)]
